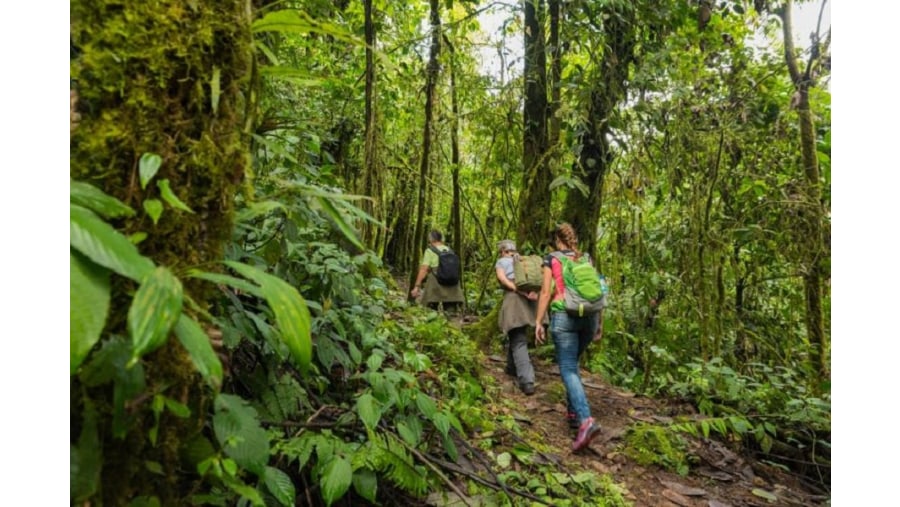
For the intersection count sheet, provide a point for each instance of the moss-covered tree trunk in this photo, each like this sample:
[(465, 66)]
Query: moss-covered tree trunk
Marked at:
[(583, 211), (813, 236), (534, 201), (164, 77)]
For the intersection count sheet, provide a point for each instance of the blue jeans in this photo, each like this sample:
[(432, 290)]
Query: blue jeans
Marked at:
[(571, 336)]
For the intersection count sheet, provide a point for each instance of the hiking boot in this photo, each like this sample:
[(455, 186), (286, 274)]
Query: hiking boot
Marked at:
[(572, 420), (588, 430), (528, 389)]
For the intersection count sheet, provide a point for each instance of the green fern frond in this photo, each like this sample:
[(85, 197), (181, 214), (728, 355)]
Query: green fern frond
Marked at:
[(390, 457)]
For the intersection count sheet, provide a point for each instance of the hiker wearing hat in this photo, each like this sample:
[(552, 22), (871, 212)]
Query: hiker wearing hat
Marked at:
[(516, 314)]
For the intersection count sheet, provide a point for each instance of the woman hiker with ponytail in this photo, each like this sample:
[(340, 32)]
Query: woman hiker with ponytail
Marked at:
[(571, 335)]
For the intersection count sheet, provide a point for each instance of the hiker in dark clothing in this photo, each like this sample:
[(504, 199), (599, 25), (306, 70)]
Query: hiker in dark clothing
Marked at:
[(516, 314)]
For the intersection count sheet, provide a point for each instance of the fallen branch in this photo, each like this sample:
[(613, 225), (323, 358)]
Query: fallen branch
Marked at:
[(453, 467), (434, 469)]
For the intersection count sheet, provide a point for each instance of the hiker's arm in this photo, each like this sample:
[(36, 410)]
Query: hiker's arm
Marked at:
[(543, 302), (504, 281), (420, 278), (599, 334)]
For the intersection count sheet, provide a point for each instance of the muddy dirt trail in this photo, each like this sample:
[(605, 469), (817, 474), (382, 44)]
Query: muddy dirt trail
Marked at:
[(720, 477)]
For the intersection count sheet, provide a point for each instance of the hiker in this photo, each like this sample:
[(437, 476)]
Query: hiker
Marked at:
[(434, 293), (571, 334), (517, 312)]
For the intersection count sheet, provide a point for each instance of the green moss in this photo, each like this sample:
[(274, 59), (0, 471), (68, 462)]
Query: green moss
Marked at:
[(145, 77), (146, 74)]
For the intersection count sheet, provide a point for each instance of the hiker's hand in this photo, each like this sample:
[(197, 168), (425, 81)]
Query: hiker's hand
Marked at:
[(539, 334), (415, 292), (599, 334), (532, 295)]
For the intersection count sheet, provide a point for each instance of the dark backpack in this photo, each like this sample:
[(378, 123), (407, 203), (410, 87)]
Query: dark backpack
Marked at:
[(447, 271)]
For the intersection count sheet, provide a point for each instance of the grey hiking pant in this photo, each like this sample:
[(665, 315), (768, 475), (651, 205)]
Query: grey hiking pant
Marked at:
[(517, 358)]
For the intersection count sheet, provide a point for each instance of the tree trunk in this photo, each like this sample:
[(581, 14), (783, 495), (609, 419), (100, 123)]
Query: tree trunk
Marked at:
[(372, 174), (455, 209), (432, 73), (172, 84), (813, 213), (555, 75), (583, 212), (534, 202)]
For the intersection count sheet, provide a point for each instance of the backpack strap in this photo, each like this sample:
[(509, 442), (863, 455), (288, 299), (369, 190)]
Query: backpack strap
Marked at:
[(435, 250)]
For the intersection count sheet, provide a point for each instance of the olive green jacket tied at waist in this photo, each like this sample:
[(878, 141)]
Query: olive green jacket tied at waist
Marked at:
[(433, 292), (516, 311)]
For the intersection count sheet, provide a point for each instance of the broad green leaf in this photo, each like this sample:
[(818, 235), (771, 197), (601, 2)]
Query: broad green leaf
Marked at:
[(94, 199), (230, 466), (291, 313), (215, 85), (365, 483), (407, 434), (257, 209), (374, 360), (154, 311), (107, 362), (166, 192), (280, 485), (336, 479), (368, 410), (239, 433), (154, 209), (148, 166), (88, 306), (442, 423), (426, 405), (339, 221), (196, 342), (177, 408), (137, 237), (104, 245), (228, 280), (154, 467), (296, 21), (246, 491)]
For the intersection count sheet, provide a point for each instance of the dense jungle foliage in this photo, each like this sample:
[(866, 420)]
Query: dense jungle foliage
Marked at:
[(252, 183)]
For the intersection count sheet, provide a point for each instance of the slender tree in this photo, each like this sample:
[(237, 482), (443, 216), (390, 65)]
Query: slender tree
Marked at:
[(455, 207), (372, 179), (814, 237), (432, 74)]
